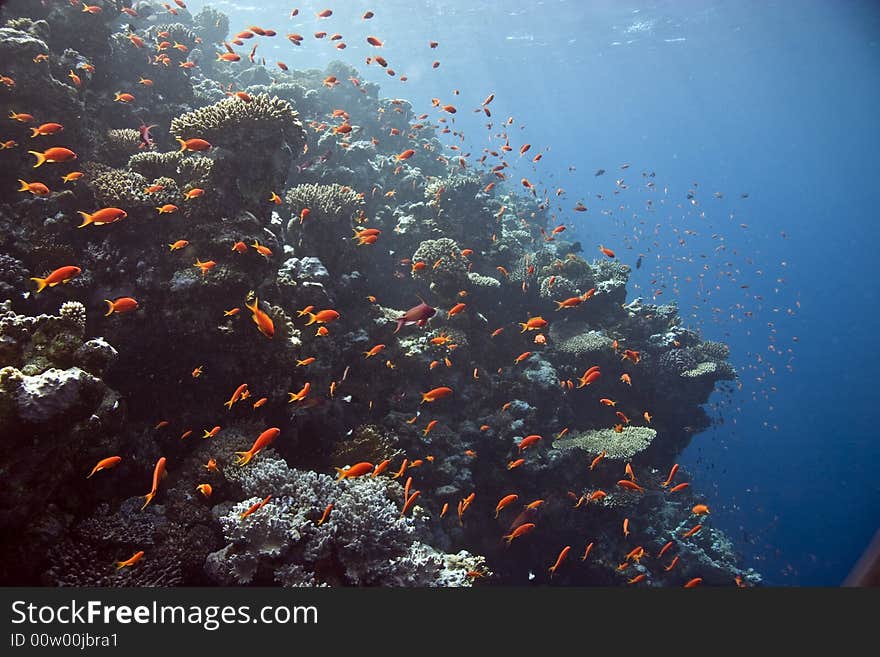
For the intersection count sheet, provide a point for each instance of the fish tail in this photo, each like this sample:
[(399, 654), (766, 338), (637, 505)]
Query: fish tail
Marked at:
[(120, 565), (41, 283), (243, 458), (34, 132), (312, 319), (182, 144), (148, 498), (228, 404), (24, 185), (559, 305), (110, 308), (524, 327), (340, 473), (87, 218), (40, 158)]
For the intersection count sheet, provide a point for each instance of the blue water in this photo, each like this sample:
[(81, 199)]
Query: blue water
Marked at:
[(776, 100)]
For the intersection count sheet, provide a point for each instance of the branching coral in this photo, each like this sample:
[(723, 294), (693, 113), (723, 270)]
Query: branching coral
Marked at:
[(364, 541)]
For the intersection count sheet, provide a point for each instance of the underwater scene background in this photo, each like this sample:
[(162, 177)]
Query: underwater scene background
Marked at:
[(437, 293)]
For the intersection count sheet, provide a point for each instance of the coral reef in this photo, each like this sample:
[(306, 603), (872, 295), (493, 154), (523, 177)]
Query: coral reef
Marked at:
[(255, 300)]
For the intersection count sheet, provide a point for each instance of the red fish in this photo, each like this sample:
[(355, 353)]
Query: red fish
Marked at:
[(418, 315)]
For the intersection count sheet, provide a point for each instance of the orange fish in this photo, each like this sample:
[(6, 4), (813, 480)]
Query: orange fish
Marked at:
[(105, 464), (264, 251), (696, 581), (435, 394), (168, 208), (123, 97), (101, 217), (255, 507), (325, 515), (56, 154), (596, 460), (46, 129), (522, 357), (72, 176), (264, 323), (431, 425), (629, 472), (205, 489), (672, 473), (59, 276), (211, 465), (241, 392), (179, 244), (528, 441), (322, 317), (648, 417), (680, 487), (263, 440), (519, 531), (380, 468), (305, 362), (607, 252), (626, 526), (137, 556), (505, 501), (195, 192), (562, 555), (587, 551), (299, 396), (205, 266), (357, 470), (373, 41), (607, 402), (693, 530), (158, 474), (120, 305), (597, 495), (533, 324), (700, 509), (631, 485), (625, 378), (638, 578), (515, 464), (457, 308), (193, 145)]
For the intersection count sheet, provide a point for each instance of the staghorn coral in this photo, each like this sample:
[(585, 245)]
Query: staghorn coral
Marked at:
[(364, 541), (618, 446)]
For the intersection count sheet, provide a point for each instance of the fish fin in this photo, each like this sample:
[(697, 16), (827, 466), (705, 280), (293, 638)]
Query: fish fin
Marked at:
[(41, 284), (243, 458), (182, 144), (312, 319), (87, 218), (24, 185), (148, 498), (40, 158)]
